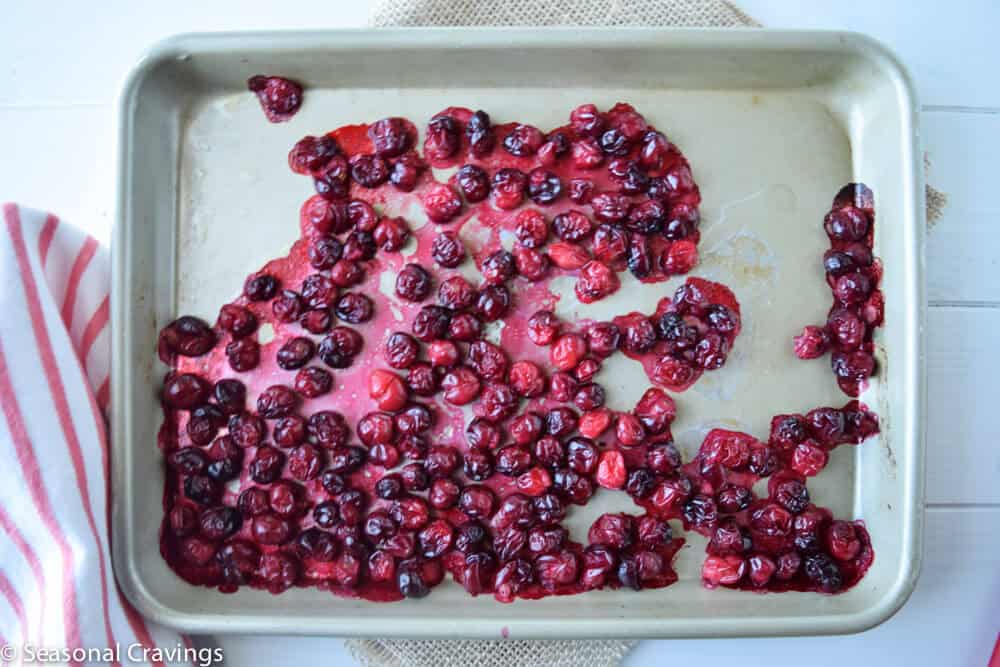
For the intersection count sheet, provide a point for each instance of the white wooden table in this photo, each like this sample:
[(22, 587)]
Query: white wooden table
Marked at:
[(60, 67)]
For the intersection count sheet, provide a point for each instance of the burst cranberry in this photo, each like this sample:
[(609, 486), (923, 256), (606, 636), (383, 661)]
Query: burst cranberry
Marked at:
[(410, 580), (567, 256), (406, 171), (347, 273), (629, 430), (791, 494), (390, 136), (821, 569), (346, 459), (359, 246), (512, 461), (376, 428), (702, 512), (530, 263), (442, 138), (593, 423), (655, 410), (243, 354), (230, 395), (771, 521), (493, 302), (289, 431), (497, 402), (185, 391), (638, 333), (340, 347), (191, 337), (598, 562), (391, 234), (422, 379), (441, 461), (460, 386), (332, 180), (431, 323), (853, 366), (401, 350), (473, 182), (812, 343), (827, 425), (558, 569), (246, 430), (387, 389), (722, 570), (846, 328), (443, 494), (270, 529), (279, 97), (311, 153), (369, 171), (842, 540), (513, 577), (509, 185), (788, 565)]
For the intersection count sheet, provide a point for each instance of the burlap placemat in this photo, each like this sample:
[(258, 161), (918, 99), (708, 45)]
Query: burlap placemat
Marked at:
[(717, 13), (497, 653)]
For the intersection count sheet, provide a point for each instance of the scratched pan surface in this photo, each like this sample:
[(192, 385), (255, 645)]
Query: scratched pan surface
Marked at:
[(773, 122)]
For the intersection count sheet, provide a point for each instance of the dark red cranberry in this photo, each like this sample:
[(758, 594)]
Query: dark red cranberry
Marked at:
[(188, 460), (480, 134), (478, 465), (814, 342), (188, 336), (443, 494), (654, 152), (359, 246), (201, 489), (549, 452), (347, 273), (279, 97), (733, 498), (410, 580), (456, 293), (632, 180), (414, 419), (413, 283), (287, 306), (493, 302), (295, 353), (376, 428), (253, 501), (827, 425), (352, 507), (313, 381), (701, 512), (311, 153), (340, 347), (246, 430), (260, 287), (414, 477), (639, 260), (476, 501), (464, 327), (509, 185), (544, 186), (561, 421), (204, 423), (332, 482), (266, 465), (390, 136), (543, 327), (324, 252), (332, 181), (640, 483), (498, 268), (401, 350), (497, 402), (473, 182), (237, 320), (289, 431), (328, 429), (530, 263), (325, 514), (512, 461), (558, 569), (825, 573), (410, 512), (369, 171), (304, 463), (219, 523), (243, 354), (185, 391), (277, 401), (442, 138), (523, 140), (422, 379), (853, 366), (792, 495), (354, 308), (846, 224), (431, 323), (318, 292), (406, 171), (638, 333)]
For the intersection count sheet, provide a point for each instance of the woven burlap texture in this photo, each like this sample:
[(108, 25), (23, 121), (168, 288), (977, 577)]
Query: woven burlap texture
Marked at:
[(514, 653)]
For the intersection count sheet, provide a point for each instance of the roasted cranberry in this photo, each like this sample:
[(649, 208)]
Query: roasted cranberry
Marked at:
[(328, 429), (549, 508), (513, 577), (479, 132), (347, 273), (558, 569), (813, 342), (311, 153), (414, 419), (497, 402), (821, 569), (185, 391), (406, 171), (442, 137), (788, 431), (369, 171), (410, 580), (246, 430), (842, 540), (332, 180), (791, 494), (498, 268), (464, 327), (313, 381), (422, 379), (332, 482), (243, 354), (279, 97), (476, 501), (204, 423), (722, 570), (201, 489), (846, 224), (473, 182), (787, 566), (733, 498), (512, 461), (391, 234), (598, 562), (390, 136), (191, 337), (701, 512), (442, 203), (443, 494), (260, 287), (354, 308), (183, 520), (359, 246), (340, 347), (413, 283), (613, 142), (289, 431), (523, 140), (509, 185), (237, 320), (478, 465), (493, 302), (188, 460), (771, 521), (808, 458), (655, 149), (827, 425), (346, 459)]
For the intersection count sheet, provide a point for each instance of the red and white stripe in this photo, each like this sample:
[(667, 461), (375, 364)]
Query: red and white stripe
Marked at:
[(56, 584)]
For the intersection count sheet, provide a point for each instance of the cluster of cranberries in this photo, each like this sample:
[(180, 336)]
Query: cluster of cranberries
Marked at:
[(783, 541), (335, 452), (853, 273)]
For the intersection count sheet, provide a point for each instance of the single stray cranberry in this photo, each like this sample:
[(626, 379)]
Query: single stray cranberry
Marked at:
[(279, 97)]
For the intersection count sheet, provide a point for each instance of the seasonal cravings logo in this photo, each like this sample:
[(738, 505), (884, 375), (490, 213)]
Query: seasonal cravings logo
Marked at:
[(134, 653)]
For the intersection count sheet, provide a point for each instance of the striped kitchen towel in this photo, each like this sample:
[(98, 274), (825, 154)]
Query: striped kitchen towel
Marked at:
[(57, 589)]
